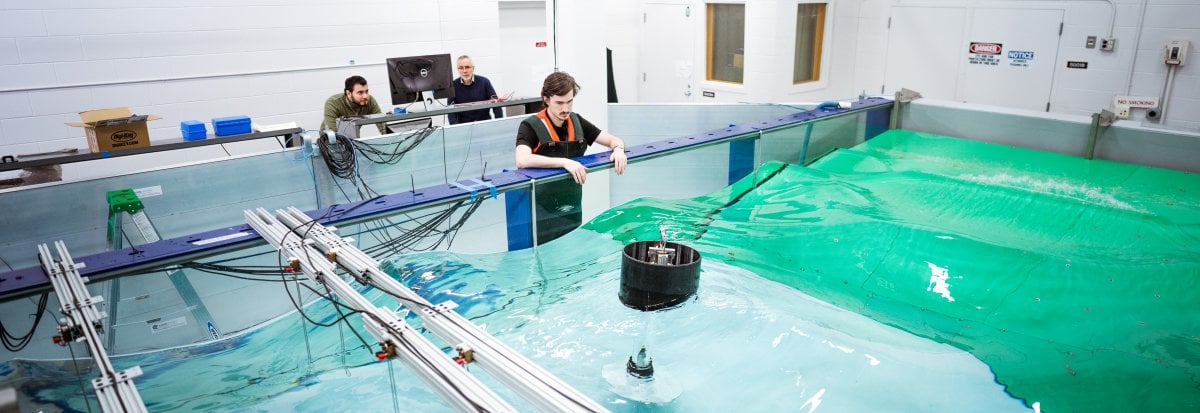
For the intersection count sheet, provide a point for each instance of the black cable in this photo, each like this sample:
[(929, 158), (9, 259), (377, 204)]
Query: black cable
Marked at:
[(300, 308), (343, 317), (224, 274), (392, 153), (403, 341), (131, 246), (338, 156), (249, 269), (410, 240), (400, 337), (14, 343), (341, 167), (79, 376), (471, 332)]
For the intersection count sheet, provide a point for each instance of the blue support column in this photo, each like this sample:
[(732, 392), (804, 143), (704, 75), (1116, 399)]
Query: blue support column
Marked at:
[(877, 122), (741, 159), (519, 216)]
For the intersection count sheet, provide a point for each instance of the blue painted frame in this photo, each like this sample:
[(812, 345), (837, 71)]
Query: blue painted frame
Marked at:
[(28, 281)]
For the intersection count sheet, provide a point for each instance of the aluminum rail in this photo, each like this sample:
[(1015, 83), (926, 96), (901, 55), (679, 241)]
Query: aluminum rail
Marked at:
[(452, 382), (536, 385), (114, 389)]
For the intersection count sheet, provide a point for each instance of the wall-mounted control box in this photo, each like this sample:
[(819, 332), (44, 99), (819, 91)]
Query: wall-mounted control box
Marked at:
[(1091, 42), (1177, 52)]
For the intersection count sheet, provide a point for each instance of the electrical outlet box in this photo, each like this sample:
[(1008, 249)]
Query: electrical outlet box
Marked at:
[(1124, 104), (1177, 52), (1108, 44), (1091, 42)]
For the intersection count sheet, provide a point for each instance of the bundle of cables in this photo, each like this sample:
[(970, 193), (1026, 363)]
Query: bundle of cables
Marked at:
[(439, 226), (340, 155), (14, 343)]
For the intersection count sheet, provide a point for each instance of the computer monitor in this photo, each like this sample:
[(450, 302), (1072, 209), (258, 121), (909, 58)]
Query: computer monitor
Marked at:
[(409, 76)]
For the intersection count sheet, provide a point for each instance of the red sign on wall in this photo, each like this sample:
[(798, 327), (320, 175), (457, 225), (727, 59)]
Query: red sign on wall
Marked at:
[(539, 44), (985, 48)]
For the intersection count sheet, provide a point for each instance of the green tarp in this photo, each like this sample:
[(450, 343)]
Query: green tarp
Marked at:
[(1077, 281)]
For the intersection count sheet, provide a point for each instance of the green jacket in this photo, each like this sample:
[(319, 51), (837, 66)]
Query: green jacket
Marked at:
[(338, 106)]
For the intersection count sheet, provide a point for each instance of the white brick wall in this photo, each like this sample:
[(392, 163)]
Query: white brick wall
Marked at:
[(859, 39), (1079, 92), (273, 60)]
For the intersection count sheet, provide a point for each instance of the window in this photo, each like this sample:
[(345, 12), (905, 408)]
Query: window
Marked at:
[(726, 42), (810, 29)]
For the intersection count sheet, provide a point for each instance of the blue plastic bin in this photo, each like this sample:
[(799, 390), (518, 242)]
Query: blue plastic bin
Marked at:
[(231, 125), (193, 130)]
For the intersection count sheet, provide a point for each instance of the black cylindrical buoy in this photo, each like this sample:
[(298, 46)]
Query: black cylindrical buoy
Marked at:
[(657, 275)]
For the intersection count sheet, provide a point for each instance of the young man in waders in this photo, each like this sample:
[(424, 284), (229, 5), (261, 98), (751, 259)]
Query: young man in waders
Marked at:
[(550, 139)]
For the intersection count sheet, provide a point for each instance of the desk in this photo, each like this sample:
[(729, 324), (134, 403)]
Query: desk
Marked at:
[(529, 103), (167, 145)]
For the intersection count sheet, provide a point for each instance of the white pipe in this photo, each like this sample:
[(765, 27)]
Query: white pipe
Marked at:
[(1112, 16), (1137, 43), (1162, 111)]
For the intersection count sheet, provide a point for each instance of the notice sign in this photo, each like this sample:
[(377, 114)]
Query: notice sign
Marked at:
[(1017, 58), (987, 54), (1076, 65)]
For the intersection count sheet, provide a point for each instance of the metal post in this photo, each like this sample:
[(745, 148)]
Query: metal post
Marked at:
[(1092, 134)]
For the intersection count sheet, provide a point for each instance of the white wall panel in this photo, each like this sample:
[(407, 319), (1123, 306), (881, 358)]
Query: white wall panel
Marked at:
[(14, 104), (1085, 91), (273, 60), (84, 72), (90, 21), (8, 52), (48, 49), (34, 129), (21, 23), (20, 76), (113, 46), (131, 95), (1175, 15), (59, 101)]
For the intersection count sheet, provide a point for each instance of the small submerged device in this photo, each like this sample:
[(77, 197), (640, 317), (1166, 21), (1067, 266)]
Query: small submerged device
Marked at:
[(655, 276), (643, 368)]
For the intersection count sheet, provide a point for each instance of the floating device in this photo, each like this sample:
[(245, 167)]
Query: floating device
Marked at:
[(658, 274)]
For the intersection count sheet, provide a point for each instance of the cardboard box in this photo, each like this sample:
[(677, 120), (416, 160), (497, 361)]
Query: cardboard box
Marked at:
[(114, 129)]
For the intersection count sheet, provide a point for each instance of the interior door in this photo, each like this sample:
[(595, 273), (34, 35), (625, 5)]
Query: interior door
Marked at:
[(1020, 75), (522, 34), (924, 49), (666, 56), (990, 56)]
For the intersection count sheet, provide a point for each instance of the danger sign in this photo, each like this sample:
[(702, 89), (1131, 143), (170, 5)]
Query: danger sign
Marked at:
[(985, 48)]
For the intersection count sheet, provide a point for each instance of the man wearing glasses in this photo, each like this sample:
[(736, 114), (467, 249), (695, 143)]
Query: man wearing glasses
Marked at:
[(470, 87)]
